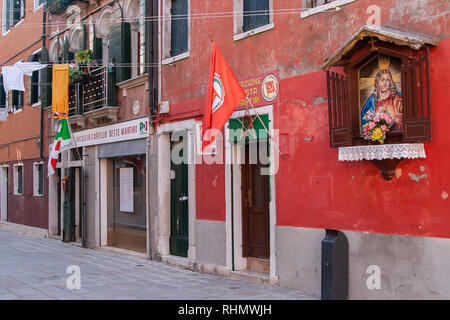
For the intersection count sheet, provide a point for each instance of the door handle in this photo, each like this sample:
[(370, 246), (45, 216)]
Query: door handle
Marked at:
[(183, 198), (249, 198)]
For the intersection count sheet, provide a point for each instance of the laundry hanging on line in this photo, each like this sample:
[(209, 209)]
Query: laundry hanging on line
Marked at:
[(13, 75)]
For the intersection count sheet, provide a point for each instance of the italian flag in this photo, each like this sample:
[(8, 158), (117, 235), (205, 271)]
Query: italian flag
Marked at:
[(63, 141)]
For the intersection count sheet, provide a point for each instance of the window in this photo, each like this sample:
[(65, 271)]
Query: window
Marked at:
[(141, 38), (136, 16), (256, 14), (33, 83), (316, 3), (13, 13), (18, 179), (317, 6), (3, 101), (15, 101), (38, 179), (176, 30), (252, 17)]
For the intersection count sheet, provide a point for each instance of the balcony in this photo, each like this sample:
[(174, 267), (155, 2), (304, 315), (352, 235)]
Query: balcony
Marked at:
[(93, 98), (57, 7)]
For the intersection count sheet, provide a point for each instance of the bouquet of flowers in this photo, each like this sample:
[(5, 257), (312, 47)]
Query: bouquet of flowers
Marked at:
[(378, 124)]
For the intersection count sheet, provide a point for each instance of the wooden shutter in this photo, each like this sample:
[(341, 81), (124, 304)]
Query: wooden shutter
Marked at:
[(416, 99), (67, 55), (46, 80), (2, 93), (35, 83), (120, 47), (338, 110), (82, 38), (97, 49), (28, 85), (178, 28)]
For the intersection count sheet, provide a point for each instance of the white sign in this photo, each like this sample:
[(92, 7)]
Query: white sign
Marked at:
[(129, 130), (126, 189)]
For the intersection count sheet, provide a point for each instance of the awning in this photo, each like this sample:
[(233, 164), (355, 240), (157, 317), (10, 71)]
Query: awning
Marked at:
[(386, 34)]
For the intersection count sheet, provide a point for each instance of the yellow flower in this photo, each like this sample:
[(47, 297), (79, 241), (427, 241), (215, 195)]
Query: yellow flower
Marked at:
[(377, 133)]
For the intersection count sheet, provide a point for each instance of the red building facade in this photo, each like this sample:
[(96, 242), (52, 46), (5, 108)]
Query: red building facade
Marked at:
[(23, 143), (398, 225)]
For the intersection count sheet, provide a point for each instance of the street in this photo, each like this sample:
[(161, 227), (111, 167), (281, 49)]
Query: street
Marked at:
[(35, 268)]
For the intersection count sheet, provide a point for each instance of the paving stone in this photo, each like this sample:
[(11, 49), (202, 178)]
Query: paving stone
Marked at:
[(36, 269)]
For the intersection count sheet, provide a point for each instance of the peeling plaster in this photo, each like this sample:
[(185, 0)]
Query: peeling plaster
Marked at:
[(416, 177), (308, 138), (444, 195), (317, 101), (398, 173)]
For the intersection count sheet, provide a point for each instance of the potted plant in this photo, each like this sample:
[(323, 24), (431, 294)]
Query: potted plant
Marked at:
[(75, 75), (84, 59)]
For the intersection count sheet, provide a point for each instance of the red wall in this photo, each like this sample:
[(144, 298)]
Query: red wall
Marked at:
[(314, 189)]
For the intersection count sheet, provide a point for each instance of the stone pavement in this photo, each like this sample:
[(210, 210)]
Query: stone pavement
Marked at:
[(35, 268)]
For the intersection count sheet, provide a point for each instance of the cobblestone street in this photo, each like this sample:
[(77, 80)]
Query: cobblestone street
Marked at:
[(35, 268)]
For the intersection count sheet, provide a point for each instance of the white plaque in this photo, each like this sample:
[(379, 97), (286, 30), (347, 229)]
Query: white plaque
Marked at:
[(126, 189)]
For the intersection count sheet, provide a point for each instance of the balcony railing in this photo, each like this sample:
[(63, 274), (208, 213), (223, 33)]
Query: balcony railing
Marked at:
[(58, 6), (91, 92)]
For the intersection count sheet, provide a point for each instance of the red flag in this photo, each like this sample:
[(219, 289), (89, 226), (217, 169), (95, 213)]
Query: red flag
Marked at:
[(222, 96)]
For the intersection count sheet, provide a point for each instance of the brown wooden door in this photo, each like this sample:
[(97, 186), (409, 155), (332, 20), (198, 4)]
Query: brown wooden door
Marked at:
[(255, 208)]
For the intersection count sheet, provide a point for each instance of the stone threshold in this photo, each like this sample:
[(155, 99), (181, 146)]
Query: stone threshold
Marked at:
[(122, 251)]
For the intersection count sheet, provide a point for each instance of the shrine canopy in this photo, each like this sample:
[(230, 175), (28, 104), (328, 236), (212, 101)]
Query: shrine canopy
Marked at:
[(370, 34)]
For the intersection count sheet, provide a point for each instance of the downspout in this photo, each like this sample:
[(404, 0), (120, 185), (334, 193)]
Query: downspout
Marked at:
[(153, 28), (41, 149)]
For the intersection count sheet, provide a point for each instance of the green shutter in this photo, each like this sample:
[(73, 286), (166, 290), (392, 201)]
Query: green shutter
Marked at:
[(67, 55), (120, 46), (82, 38), (97, 52), (46, 80), (40, 179), (2, 93), (35, 83), (28, 84)]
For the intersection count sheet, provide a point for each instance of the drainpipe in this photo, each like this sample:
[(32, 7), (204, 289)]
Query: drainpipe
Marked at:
[(41, 148), (153, 30)]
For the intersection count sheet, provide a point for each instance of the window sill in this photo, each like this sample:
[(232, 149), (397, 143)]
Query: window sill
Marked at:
[(38, 195), (17, 111), (133, 82), (176, 58), (252, 32), (5, 33), (36, 104), (324, 7), (18, 23)]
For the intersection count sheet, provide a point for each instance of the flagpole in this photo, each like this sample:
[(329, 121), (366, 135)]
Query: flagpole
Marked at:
[(257, 114)]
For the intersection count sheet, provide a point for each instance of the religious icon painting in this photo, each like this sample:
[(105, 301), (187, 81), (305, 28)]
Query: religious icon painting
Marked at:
[(380, 89)]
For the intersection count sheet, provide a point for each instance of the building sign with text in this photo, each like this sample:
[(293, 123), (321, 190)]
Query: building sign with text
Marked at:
[(261, 90), (128, 130)]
